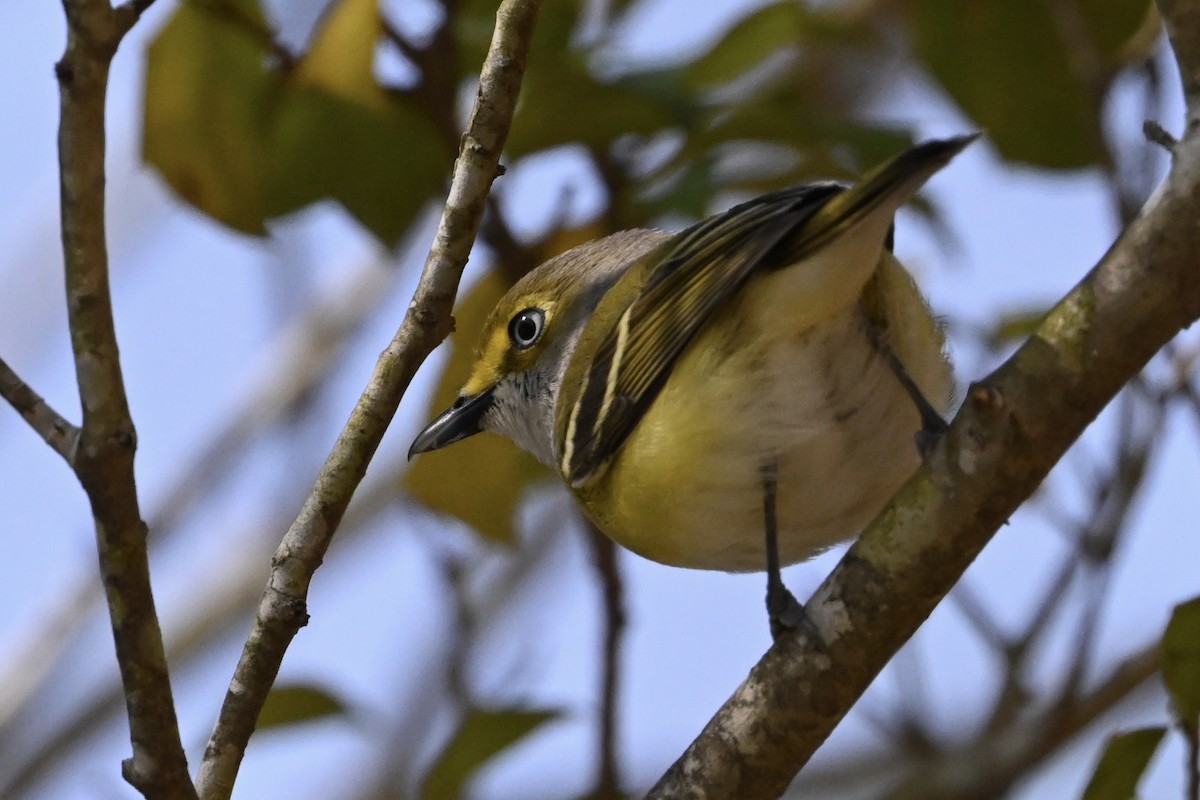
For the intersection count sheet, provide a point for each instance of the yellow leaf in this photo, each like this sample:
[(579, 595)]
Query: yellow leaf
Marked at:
[(341, 59)]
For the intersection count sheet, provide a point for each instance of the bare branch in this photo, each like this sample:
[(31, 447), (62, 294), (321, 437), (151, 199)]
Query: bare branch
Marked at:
[(989, 766), (1158, 135), (1013, 427), (33, 408), (103, 457), (1193, 762), (282, 610), (608, 573)]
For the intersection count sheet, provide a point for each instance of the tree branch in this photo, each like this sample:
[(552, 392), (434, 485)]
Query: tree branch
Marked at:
[(612, 588), (33, 408), (989, 766), (104, 455), (282, 610), (1013, 427)]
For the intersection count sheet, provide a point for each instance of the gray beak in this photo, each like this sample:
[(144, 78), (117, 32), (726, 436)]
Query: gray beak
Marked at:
[(454, 424)]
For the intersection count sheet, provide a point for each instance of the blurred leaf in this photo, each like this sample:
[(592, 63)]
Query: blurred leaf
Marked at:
[(480, 480), (244, 142), (1032, 73), (209, 95), (1181, 663), (821, 149), (1125, 759), (783, 114), (555, 26), (1111, 24), (689, 191), (550, 112), (288, 705), (341, 58), (383, 165), (481, 736), (475, 20), (751, 40)]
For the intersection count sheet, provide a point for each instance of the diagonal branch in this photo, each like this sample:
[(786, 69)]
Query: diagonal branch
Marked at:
[(1014, 426), (989, 766), (104, 453), (282, 610), (33, 408)]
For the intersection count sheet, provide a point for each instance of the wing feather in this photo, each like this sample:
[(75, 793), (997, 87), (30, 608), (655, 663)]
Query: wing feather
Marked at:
[(688, 277), (695, 272)]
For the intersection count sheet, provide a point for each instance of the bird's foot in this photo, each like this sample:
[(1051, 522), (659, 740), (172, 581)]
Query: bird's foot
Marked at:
[(786, 614)]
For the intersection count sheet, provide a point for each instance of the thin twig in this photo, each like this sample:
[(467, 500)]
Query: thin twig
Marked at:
[(103, 459), (33, 408), (1114, 499), (608, 572), (1157, 134), (282, 610), (436, 89), (988, 766), (513, 259), (1193, 762)]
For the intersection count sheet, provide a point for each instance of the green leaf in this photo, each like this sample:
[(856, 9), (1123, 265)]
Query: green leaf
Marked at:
[(244, 142), (753, 39), (1181, 663), (341, 58), (209, 97), (480, 480), (1125, 759), (688, 191), (339, 134), (1120, 30), (481, 736), (475, 21), (1033, 74), (550, 113), (383, 165), (1007, 66), (288, 705)]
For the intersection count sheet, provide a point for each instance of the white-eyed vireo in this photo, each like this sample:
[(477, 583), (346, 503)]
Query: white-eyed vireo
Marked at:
[(741, 394)]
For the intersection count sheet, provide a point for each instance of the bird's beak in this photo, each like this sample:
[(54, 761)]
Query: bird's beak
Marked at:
[(454, 424)]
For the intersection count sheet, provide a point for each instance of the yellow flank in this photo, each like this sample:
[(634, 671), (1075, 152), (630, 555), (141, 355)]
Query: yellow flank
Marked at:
[(834, 415)]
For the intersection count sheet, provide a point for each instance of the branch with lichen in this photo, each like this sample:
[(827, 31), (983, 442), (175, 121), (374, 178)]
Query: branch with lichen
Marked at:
[(282, 610), (1014, 426)]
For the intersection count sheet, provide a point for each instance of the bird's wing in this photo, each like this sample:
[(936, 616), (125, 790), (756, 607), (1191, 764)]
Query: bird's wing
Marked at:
[(686, 279), (689, 276)]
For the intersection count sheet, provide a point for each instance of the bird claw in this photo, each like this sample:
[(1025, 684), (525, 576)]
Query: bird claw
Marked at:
[(786, 614)]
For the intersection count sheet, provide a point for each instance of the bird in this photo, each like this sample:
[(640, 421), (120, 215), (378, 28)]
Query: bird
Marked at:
[(737, 396)]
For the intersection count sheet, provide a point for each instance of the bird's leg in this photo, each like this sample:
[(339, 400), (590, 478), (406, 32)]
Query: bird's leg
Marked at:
[(783, 610), (932, 424)]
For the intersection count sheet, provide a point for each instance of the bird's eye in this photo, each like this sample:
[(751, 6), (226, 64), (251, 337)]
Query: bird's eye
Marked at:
[(526, 327)]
